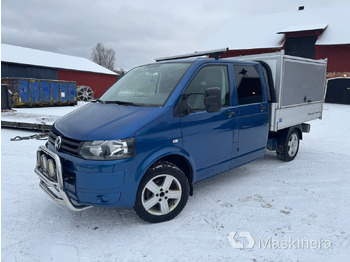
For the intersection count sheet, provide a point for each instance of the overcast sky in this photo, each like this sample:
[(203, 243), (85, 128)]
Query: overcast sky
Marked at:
[(138, 31)]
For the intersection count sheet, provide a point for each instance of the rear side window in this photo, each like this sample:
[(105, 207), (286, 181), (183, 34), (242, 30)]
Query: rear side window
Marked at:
[(248, 82)]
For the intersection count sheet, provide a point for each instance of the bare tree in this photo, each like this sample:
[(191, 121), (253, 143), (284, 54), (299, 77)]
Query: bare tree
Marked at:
[(103, 56), (120, 72)]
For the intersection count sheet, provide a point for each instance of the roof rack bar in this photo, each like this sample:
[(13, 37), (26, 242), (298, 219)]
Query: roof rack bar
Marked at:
[(216, 53)]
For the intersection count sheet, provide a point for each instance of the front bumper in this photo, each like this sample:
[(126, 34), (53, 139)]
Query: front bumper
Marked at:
[(54, 186), (79, 183)]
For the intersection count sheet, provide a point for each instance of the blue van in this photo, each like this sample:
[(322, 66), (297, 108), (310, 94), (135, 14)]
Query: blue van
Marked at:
[(157, 131)]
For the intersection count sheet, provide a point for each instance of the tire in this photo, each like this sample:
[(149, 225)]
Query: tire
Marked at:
[(288, 145), (162, 193)]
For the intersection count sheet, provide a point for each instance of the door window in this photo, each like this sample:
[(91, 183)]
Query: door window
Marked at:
[(248, 82), (209, 76)]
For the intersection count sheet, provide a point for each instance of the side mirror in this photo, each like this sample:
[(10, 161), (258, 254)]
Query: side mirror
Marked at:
[(212, 99), (212, 102)]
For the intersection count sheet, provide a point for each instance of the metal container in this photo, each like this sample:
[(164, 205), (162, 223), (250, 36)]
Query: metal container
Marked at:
[(27, 92), (5, 99)]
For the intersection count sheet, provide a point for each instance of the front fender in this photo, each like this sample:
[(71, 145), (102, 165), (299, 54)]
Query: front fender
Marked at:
[(159, 154)]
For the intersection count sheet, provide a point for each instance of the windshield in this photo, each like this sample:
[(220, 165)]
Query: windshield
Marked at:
[(149, 85)]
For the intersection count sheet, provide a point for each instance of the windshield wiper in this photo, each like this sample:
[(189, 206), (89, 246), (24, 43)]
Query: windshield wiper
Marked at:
[(98, 100), (121, 103)]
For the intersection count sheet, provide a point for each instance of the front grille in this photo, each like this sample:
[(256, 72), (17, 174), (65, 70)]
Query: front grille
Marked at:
[(68, 145)]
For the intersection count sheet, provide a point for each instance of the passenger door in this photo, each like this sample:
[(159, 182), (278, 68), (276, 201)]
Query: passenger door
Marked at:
[(208, 137), (252, 114)]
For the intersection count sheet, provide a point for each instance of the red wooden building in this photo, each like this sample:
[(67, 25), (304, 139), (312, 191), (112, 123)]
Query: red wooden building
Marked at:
[(24, 62), (312, 33)]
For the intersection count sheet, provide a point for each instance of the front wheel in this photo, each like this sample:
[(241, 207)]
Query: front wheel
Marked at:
[(162, 193), (288, 145)]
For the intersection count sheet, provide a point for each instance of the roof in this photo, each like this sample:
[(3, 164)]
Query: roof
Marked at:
[(29, 56), (302, 28), (261, 31)]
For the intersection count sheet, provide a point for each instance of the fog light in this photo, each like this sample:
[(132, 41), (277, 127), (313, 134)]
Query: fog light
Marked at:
[(44, 162), (52, 168), (38, 159)]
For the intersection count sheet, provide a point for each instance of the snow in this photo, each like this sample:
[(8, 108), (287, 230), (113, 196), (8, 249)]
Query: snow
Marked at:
[(307, 200), (261, 31), (42, 115), (29, 56), (303, 28)]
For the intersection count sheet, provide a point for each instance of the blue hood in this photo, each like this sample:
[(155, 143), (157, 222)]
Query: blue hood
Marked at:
[(96, 121)]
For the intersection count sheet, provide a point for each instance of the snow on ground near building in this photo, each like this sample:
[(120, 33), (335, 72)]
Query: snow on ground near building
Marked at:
[(294, 211), (47, 115)]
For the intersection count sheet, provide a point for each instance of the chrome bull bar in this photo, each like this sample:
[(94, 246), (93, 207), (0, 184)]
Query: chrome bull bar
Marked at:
[(55, 189)]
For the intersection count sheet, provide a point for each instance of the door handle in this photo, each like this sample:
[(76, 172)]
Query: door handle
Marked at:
[(262, 108), (230, 113)]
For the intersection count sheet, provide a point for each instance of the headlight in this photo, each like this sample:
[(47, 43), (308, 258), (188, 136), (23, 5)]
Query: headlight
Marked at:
[(108, 149)]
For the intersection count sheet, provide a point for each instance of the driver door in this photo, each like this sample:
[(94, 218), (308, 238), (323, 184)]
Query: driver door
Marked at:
[(208, 137)]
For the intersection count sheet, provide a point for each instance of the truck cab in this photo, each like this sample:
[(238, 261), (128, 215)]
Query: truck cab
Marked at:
[(157, 131)]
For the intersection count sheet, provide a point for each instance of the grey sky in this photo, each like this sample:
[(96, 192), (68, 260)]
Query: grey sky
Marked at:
[(138, 31)]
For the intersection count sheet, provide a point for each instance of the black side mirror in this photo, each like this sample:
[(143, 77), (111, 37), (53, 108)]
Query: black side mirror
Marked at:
[(212, 99), (212, 102)]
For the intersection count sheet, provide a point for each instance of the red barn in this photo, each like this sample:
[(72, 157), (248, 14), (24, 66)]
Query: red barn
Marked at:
[(312, 33), (24, 62)]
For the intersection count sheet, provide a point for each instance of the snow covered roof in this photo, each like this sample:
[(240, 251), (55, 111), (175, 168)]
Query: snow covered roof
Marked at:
[(261, 31), (300, 28), (29, 56)]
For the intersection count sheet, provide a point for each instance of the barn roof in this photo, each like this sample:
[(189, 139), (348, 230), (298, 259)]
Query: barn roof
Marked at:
[(29, 56), (264, 31)]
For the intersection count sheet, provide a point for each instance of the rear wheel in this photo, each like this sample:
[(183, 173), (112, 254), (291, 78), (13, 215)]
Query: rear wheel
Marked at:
[(162, 194), (288, 145)]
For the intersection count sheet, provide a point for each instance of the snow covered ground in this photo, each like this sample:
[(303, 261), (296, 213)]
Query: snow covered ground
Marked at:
[(41, 115), (296, 211)]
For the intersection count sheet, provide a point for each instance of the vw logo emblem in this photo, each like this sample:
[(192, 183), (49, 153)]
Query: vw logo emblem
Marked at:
[(58, 142)]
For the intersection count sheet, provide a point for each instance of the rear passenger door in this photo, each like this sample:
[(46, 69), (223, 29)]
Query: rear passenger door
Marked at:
[(252, 113)]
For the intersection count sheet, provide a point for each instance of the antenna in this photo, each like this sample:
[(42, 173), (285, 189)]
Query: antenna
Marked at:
[(216, 53)]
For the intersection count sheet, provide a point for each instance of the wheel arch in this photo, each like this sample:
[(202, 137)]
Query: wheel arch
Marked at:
[(299, 129), (282, 134), (182, 163), (177, 158)]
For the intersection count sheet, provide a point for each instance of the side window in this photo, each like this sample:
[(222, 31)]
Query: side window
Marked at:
[(208, 76), (248, 84)]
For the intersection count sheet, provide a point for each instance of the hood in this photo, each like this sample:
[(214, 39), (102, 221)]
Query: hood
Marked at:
[(96, 121)]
